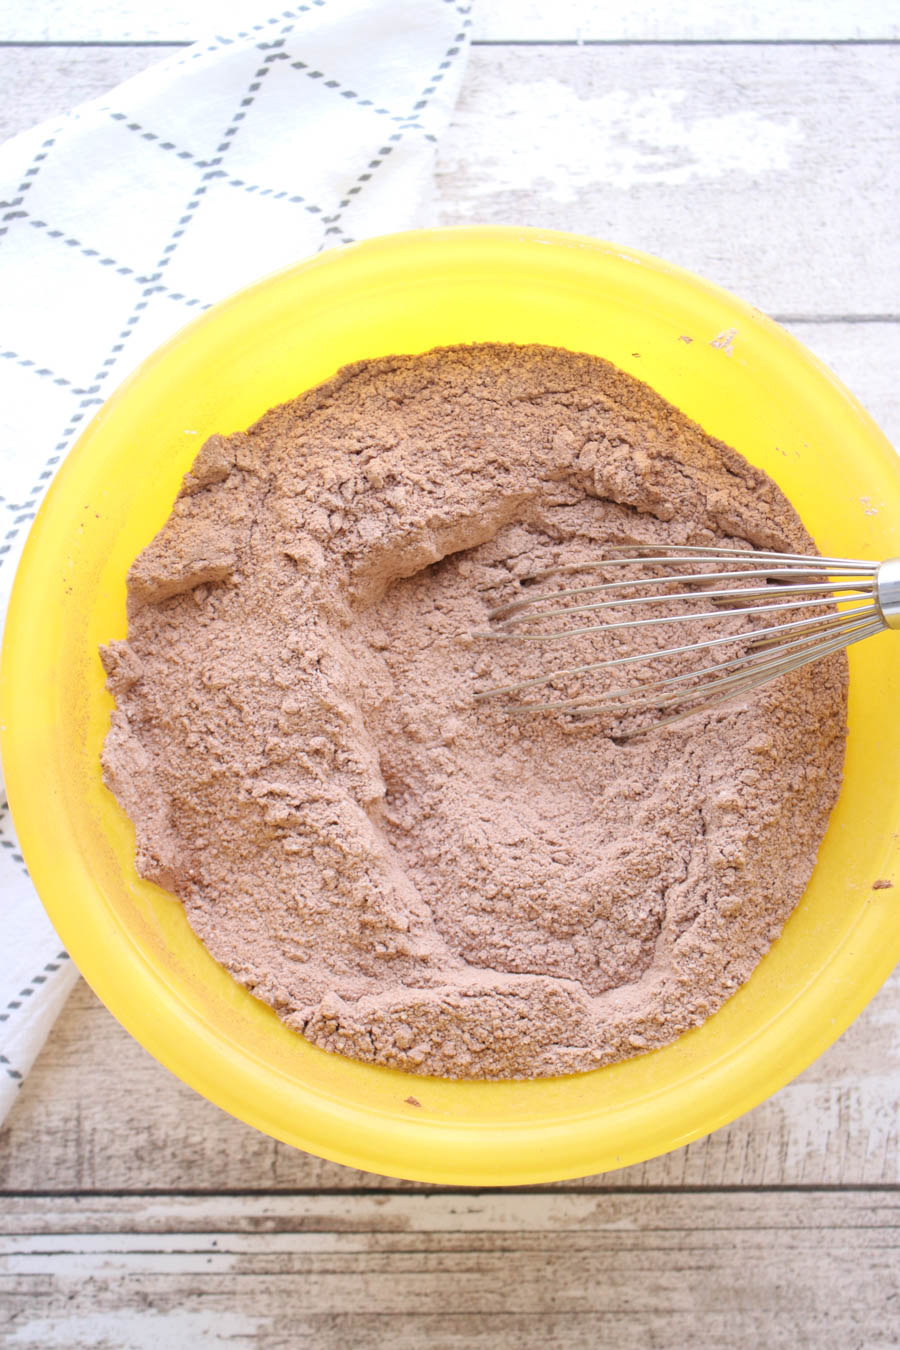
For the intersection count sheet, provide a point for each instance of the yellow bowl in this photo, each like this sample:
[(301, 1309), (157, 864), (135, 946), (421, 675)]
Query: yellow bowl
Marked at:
[(727, 366)]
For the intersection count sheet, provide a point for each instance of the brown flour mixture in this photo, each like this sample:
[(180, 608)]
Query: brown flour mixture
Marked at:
[(405, 876)]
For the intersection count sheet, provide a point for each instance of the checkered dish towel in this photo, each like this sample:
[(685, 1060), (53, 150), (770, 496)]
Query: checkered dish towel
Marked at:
[(313, 127)]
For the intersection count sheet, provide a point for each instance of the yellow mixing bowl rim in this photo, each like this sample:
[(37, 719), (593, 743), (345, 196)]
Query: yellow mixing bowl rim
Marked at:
[(517, 1151)]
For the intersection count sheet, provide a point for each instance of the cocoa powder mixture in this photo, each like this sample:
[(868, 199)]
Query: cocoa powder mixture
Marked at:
[(407, 876)]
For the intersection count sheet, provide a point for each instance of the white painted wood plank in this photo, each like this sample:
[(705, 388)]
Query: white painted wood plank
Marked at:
[(199, 1320), (44, 82), (865, 356), (774, 171), (98, 1114), (297, 1223), (691, 20), (530, 20), (722, 159), (449, 1271)]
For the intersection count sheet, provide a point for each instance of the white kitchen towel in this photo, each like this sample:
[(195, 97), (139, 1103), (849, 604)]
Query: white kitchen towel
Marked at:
[(119, 222)]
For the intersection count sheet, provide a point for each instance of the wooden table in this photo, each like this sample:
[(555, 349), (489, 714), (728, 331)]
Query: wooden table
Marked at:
[(757, 145)]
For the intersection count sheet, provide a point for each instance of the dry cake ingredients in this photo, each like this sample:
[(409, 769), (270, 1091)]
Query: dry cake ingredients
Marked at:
[(407, 876)]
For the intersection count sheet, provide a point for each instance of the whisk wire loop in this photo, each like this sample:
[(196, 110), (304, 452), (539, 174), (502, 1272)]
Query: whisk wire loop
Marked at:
[(842, 601)]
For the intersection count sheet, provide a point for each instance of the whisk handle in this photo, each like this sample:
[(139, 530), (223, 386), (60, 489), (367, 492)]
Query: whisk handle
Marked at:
[(887, 591)]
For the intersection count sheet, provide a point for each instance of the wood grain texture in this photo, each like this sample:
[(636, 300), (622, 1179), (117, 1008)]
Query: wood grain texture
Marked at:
[(500, 1270), (96, 1113), (495, 20), (864, 356), (722, 159), (45, 82), (774, 171), (690, 20)]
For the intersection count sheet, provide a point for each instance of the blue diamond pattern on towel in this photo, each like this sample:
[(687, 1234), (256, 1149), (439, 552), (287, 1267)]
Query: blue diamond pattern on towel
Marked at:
[(329, 147), (136, 221), (61, 307), (34, 406), (276, 230)]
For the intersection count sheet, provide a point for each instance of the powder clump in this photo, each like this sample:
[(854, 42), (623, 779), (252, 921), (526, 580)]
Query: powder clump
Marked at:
[(407, 876)]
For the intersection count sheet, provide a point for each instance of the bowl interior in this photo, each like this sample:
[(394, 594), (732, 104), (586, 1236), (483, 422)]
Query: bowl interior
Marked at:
[(724, 364)]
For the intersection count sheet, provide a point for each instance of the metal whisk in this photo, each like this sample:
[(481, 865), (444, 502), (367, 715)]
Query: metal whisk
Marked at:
[(793, 609)]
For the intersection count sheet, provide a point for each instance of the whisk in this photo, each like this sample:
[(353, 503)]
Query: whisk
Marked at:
[(793, 608)]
